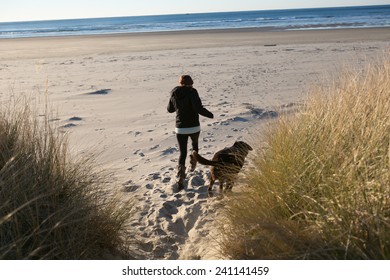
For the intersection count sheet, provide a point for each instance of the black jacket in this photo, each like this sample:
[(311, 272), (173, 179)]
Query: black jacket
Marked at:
[(186, 103)]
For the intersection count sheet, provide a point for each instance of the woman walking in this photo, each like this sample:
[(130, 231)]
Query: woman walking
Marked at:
[(186, 103)]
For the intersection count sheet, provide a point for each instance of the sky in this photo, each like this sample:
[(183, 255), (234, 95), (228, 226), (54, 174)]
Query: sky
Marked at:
[(26, 10)]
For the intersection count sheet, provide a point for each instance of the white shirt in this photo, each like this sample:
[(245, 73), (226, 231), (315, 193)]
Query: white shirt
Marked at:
[(187, 130)]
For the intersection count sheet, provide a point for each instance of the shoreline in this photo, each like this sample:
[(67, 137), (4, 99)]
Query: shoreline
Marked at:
[(204, 32), (45, 47)]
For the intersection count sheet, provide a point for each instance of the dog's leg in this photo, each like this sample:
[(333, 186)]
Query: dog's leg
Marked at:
[(221, 183), (229, 185), (231, 182), (212, 181)]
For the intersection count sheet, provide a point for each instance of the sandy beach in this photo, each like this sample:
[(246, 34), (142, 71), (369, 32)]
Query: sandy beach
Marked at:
[(109, 94)]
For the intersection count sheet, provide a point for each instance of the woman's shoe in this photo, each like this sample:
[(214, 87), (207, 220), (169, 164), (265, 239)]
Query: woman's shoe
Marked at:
[(181, 175)]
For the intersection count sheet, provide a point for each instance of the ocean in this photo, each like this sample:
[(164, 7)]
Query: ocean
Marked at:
[(296, 19)]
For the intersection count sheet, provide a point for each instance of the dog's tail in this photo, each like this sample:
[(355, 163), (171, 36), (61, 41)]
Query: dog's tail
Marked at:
[(202, 160)]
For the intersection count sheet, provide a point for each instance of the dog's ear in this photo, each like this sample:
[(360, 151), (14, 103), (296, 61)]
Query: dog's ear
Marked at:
[(247, 146), (243, 145), (237, 144)]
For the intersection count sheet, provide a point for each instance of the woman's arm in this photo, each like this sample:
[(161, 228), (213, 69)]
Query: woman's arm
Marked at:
[(171, 105), (197, 105)]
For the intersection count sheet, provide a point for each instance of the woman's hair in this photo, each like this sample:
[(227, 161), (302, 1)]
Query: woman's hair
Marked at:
[(186, 80)]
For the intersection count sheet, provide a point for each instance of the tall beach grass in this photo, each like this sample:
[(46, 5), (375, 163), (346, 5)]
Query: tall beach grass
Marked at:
[(52, 207), (320, 185)]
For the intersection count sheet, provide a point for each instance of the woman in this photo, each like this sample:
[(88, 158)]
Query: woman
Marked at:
[(186, 103)]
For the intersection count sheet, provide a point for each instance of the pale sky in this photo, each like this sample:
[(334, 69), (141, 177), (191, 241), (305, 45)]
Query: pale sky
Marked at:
[(24, 10)]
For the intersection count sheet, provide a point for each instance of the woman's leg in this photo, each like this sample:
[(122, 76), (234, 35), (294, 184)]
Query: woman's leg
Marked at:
[(182, 139), (195, 141)]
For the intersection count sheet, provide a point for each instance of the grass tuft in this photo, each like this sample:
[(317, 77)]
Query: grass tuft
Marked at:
[(320, 186), (50, 206)]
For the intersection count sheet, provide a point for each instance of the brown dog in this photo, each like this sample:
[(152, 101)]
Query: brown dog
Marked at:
[(225, 164)]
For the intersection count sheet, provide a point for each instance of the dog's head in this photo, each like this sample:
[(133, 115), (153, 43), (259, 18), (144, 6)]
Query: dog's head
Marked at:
[(242, 146)]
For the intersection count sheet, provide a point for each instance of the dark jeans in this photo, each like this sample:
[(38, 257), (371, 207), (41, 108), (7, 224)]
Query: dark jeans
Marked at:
[(182, 139)]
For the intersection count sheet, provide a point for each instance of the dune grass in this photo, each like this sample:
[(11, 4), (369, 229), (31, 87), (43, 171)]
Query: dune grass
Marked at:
[(320, 185), (52, 207)]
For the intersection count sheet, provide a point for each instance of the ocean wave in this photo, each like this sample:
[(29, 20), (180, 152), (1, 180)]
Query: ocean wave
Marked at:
[(283, 19)]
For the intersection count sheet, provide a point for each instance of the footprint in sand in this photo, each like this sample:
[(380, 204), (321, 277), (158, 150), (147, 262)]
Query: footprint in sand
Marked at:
[(196, 181), (169, 151), (154, 147), (132, 168), (166, 180), (164, 213), (190, 195), (192, 216), (75, 119), (153, 176), (170, 207), (69, 125), (138, 152), (100, 92), (177, 227)]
